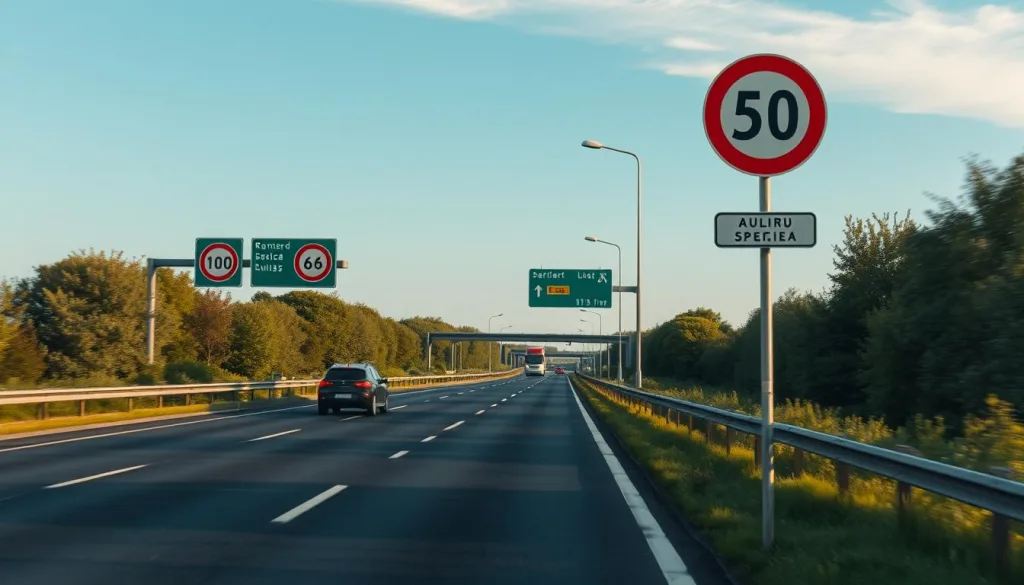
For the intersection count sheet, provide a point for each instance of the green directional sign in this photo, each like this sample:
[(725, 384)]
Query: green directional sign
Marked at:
[(218, 262), (570, 288), (291, 263)]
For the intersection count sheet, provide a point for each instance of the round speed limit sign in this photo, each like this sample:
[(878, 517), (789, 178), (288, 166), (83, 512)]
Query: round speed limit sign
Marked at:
[(313, 263), (218, 262), (765, 115)]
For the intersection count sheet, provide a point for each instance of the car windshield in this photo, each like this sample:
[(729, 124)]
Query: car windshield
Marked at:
[(345, 374), (534, 359)]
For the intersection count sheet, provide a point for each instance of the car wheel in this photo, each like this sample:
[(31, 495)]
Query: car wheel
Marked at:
[(373, 406), (387, 400)]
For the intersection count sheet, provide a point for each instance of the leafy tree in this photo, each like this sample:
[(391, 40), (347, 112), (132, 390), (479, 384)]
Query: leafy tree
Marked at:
[(88, 311), (23, 358), (209, 325)]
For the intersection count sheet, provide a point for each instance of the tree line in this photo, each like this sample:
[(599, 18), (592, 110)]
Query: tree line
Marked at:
[(82, 321), (917, 320)]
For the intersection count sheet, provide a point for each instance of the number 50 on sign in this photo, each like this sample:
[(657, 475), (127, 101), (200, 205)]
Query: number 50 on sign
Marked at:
[(765, 115)]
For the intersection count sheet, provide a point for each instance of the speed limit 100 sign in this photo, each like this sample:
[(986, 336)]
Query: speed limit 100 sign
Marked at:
[(218, 262), (765, 115)]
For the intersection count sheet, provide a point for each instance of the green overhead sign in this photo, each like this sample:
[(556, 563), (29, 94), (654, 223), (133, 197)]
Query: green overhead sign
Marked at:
[(290, 263), (570, 288), (218, 262)]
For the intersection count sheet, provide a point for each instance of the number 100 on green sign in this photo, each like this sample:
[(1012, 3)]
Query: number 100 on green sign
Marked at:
[(218, 262), (294, 263)]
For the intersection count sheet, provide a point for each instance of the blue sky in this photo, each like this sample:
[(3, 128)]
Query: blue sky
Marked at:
[(438, 140)]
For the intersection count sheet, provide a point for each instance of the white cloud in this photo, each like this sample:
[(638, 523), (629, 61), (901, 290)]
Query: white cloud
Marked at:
[(912, 58)]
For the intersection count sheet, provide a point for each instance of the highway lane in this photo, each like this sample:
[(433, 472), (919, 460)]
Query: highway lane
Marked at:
[(503, 484), (25, 461)]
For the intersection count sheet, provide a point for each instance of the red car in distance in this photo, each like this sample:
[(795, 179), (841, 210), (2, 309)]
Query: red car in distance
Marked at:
[(559, 370)]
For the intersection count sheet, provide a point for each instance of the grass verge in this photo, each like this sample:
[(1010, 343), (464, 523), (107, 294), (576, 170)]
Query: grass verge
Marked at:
[(820, 537)]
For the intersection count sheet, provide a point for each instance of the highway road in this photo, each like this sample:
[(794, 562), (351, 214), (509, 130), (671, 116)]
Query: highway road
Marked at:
[(506, 482)]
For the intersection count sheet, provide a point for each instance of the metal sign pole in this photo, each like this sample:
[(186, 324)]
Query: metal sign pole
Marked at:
[(767, 383)]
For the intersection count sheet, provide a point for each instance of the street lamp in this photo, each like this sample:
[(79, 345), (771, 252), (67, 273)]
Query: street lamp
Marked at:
[(619, 249), (490, 345), (499, 331), (584, 333), (593, 144), (600, 331), (598, 360)]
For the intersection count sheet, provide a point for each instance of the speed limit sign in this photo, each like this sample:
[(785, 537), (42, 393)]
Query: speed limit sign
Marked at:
[(765, 115), (218, 262), (313, 262)]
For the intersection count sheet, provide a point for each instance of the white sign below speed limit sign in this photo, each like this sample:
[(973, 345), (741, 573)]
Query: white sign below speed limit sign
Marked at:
[(765, 115), (313, 262)]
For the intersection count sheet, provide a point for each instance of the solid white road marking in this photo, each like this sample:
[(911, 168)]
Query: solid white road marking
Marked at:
[(308, 505), (479, 412), (352, 417), (281, 434), (92, 477), (450, 427), (397, 455), (397, 407), (672, 566)]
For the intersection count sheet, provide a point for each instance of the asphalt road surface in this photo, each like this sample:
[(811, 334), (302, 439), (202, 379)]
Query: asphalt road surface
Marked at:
[(493, 483)]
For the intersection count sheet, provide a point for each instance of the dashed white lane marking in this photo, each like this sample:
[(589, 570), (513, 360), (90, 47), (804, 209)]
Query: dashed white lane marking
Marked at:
[(504, 399), (92, 477), (133, 431), (397, 407), (399, 454), (429, 439), (426, 401), (452, 426), (443, 397), (479, 412), (672, 566), (352, 417), (308, 505), (461, 393), (281, 434), (475, 390), (494, 406)]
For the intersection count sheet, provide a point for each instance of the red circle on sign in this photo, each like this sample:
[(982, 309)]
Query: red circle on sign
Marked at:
[(816, 120), (234, 262), (327, 265)]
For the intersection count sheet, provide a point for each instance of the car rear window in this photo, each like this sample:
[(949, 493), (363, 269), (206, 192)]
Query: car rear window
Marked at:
[(334, 374)]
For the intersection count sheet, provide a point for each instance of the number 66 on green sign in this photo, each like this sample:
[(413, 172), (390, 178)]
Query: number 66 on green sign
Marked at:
[(294, 263)]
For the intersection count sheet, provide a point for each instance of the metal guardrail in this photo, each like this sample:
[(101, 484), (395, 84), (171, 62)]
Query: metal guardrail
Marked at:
[(45, 396), (1003, 497)]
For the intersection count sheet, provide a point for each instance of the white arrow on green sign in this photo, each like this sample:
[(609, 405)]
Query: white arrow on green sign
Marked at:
[(570, 288)]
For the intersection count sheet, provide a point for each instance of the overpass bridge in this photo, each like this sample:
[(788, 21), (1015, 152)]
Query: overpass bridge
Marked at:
[(627, 342)]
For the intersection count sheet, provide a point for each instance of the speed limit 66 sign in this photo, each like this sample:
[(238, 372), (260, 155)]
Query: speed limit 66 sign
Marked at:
[(765, 115), (294, 263), (218, 262)]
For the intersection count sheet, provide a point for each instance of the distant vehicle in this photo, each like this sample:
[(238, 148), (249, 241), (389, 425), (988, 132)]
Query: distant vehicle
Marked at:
[(535, 361), (353, 386), (559, 370)]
